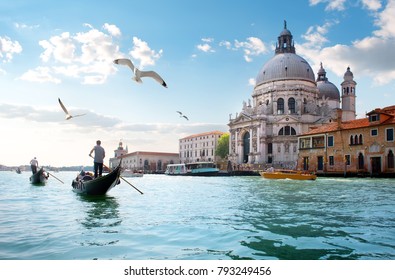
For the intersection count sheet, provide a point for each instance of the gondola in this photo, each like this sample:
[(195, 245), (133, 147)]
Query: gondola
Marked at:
[(40, 177), (100, 186)]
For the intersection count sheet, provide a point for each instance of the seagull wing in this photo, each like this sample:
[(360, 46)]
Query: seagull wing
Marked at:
[(179, 112), (153, 75), (79, 115), (64, 108), (186, 118), (125, 61)]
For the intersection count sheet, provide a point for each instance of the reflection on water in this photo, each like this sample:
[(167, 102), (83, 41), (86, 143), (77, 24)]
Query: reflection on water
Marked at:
[(199, 218), (317, 222), (101, 220)]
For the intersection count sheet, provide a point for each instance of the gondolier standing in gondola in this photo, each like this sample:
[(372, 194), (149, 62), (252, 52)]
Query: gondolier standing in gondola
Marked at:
[(98, 159), (34, 165)]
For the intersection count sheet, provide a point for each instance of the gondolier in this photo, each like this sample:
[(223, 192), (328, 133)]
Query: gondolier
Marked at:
[(98, 159), (34, 165)]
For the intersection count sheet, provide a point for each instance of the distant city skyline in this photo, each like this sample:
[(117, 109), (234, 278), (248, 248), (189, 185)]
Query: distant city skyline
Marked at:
[(209, 54)]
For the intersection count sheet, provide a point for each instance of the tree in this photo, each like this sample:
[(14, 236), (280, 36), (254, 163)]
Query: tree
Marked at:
[(223, 146)]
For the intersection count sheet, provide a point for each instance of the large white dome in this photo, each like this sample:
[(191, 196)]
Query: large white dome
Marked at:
[(285, 66)]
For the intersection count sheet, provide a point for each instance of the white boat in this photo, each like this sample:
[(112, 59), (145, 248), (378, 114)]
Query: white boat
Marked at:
[(132, 173), (192, 169)]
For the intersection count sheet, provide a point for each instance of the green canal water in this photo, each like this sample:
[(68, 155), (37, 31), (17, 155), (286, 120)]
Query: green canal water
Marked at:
[(198, 218)]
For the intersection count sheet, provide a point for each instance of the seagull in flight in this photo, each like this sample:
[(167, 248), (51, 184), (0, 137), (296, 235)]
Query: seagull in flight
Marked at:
[(68, 116), (182, 115), (140, 74)]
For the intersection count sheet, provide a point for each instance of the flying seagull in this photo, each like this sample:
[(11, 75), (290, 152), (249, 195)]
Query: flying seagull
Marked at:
[(140, 74), (182, 115), (68, 116)]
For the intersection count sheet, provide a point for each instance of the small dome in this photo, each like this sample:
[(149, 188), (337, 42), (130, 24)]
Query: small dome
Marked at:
[(328, 89), (285, 66), (285, 32), (348, 76)]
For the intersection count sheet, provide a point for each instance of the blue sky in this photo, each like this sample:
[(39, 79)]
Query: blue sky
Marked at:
[(208, 52)]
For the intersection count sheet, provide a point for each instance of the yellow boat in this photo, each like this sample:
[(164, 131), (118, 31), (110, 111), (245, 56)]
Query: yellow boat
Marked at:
[(288, 174)]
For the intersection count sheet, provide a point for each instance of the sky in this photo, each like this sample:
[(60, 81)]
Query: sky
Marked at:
[(208, 52)]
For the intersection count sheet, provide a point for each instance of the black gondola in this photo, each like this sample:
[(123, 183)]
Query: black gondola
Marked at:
[(40, 177), (99, 186)]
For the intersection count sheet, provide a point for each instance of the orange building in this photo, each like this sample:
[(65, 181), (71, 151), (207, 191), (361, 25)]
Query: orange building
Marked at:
[(357, 147)]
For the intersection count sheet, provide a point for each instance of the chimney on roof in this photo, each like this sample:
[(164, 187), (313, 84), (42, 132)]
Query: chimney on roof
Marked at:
[(339, 113)]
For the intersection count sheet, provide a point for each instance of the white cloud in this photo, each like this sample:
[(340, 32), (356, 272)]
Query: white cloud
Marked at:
[(331, 5), (141, 51), (112, 29), (252, 47), (375, 51), (372, 5), (8, 48), (205, 48), (61, 48), (25, 26), (226, 44), (85, 55), (251, 82), (208, 40), (40, 75), (386, 21), (315, 35)]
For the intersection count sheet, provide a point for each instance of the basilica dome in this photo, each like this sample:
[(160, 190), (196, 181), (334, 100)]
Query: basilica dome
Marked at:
[(285, 66), (326, 88)]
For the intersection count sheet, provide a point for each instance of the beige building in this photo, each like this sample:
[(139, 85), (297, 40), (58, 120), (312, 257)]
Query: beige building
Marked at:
[(199, 147), (287, 101), (361, 146), (149, 162)]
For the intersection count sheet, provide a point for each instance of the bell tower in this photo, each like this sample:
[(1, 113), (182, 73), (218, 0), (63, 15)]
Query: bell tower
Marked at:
[(348, 96), (120, 151), (285, 42)]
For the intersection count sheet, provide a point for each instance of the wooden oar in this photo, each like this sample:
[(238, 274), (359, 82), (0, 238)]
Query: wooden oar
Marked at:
[(55, 177), (122, 178)]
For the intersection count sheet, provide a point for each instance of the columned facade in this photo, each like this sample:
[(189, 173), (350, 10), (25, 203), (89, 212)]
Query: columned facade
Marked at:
[(286, 102)]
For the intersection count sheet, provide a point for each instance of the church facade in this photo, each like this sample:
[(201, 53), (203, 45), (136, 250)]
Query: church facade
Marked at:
[(287, 101)]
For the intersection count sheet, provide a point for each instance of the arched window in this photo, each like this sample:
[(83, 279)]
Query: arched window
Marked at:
[(304, 105), (280, 106), (356, 140), (360, 161), (287, 130), (246, 146), (351, 140), (360, 139), (390, 159), (291, 105), (146, 165)]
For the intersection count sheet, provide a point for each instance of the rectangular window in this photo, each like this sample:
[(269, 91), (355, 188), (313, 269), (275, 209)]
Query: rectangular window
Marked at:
[(374, 118), (330, 141), (347, 159), (374, 132), (318, 142), (331, 160), (304, 143), (390, 134), (269, 148)]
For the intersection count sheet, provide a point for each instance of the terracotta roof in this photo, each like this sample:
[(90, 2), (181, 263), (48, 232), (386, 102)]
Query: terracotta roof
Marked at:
[(216, 132), (354, 124), (150, 154)]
